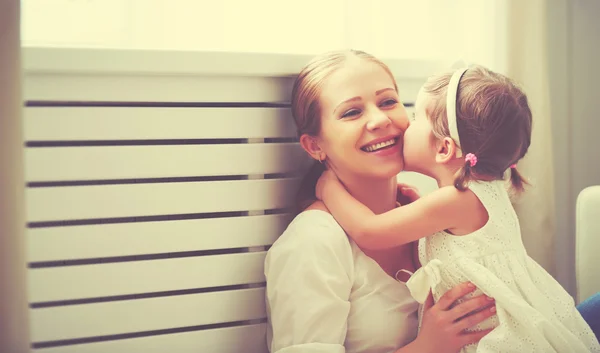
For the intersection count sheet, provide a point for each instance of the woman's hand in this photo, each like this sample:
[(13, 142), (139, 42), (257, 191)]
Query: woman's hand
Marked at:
[(325, 179), (443, 326)]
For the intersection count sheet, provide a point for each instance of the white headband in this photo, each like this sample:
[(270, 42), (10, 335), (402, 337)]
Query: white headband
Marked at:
[(451, 97)]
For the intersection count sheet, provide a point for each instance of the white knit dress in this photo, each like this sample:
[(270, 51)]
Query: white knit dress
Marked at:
[(534, 312)]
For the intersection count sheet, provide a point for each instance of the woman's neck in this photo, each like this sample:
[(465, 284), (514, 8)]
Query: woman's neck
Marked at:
[(379, 195)]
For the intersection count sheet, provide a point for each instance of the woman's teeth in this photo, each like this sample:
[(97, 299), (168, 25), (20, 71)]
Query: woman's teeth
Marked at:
[(380, 145)]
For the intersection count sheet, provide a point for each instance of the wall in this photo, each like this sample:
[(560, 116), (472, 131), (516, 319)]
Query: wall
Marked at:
[(574, 53), (390, 29), (13, 291)]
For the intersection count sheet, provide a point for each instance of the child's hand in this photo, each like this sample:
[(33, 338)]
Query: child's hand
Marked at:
[(327, 178), (407, 193)]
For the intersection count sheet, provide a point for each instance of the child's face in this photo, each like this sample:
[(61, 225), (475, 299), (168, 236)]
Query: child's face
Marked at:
[(419, 149)]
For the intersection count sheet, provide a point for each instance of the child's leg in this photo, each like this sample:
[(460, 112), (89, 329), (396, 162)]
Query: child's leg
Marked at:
[(590, 310)]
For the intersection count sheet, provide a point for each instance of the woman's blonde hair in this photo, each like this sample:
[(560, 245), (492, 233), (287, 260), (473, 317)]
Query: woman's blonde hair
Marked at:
[(306, 107), (493, 119)]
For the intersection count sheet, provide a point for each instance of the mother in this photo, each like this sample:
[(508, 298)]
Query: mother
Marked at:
[(324, 293)]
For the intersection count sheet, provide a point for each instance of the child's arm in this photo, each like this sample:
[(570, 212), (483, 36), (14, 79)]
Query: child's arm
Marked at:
[(437, 211)]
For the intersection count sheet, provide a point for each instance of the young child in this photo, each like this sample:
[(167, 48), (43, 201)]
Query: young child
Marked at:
[(469, 228)]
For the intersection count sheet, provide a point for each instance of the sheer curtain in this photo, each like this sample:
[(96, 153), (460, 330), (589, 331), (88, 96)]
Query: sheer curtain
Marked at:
[(527, 62)]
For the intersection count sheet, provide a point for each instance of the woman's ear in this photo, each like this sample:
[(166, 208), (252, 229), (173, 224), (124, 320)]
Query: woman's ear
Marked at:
[(311, 145), (446, 150)]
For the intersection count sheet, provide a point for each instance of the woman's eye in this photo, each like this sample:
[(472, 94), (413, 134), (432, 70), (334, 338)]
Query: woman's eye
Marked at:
[(351, 113), (388, 102)]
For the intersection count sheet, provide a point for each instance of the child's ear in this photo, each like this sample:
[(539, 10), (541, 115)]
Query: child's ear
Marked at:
[(311, 145), (446, 150)]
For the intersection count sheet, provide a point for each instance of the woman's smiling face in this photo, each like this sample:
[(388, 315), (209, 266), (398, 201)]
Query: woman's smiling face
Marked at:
[(362, 121)]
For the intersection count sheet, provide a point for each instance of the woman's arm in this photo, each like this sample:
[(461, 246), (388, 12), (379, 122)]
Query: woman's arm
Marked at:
[(437, 211), (443, 325)]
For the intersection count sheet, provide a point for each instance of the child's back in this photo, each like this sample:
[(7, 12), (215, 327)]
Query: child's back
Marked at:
[(534, 313)]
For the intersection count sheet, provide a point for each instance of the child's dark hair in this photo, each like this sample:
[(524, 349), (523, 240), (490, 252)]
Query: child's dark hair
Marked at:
[(493, 120)]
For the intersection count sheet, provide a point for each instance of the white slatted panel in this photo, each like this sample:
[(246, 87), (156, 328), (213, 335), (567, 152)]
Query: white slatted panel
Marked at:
[(122, 256), (126, 162), (155, 88), (109, 201), (410, 109), (134, 123), (51, 87), (168, 62), (247, 339), (135, 75), (135, 277), (142, 238), (111, 318), (137, 259)]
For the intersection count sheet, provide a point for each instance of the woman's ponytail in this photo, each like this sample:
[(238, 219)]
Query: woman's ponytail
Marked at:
[(306, 192)]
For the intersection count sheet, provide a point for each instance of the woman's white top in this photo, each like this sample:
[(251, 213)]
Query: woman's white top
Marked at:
[(534, 313), (325, 295)]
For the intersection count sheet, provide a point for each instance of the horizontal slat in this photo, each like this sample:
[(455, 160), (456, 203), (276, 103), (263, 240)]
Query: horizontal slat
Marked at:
[(141, 238), (135, 277), (152, 61), (111, 318), (89, 88), (108, 201), (120, 75), (134, 123), (176, 62), (128, 162), (156, 88), (247, 339)]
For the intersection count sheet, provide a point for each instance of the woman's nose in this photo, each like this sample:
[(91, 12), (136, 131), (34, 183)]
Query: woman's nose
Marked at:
[(378, 119)]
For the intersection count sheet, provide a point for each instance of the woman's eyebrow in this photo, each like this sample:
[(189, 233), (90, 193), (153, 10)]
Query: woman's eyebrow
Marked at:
[(346, 101), (384, 90)]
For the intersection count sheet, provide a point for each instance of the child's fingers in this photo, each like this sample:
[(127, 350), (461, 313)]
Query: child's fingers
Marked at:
[(329, 174), (402, 185), (411, 193)]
